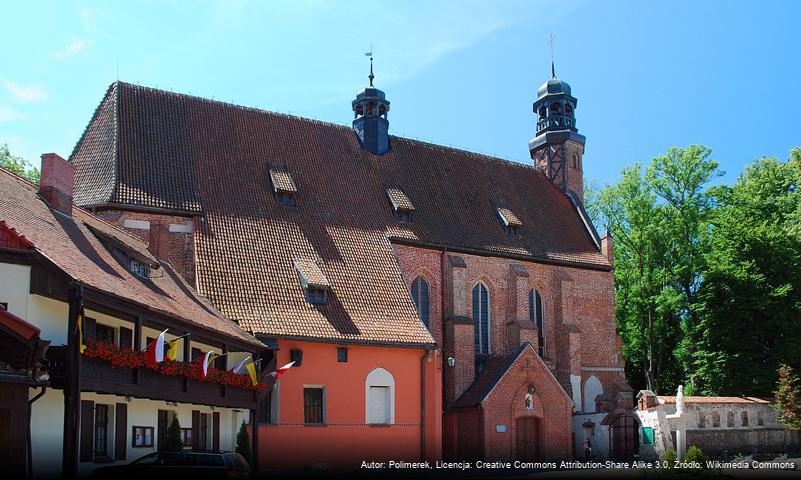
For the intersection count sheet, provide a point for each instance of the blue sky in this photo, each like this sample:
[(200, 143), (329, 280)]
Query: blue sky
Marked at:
[(648, 74)]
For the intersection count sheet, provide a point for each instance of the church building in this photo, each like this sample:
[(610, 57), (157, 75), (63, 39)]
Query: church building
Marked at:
[(438, 303)]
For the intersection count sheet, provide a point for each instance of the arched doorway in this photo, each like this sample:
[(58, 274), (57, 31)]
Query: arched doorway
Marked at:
[(624, 441), (528, 438)]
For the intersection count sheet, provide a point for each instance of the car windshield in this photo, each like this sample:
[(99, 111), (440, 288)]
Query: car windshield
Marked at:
[(148, 459)]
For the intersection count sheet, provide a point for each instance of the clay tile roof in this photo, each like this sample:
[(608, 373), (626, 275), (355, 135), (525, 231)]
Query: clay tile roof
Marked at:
[(282, 181), (181, 152), (698, 399), (495, 366), (310, 274), (400, 202), (509, 218), (78, 245)]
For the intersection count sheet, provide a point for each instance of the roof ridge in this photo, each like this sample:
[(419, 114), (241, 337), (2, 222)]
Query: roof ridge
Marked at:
[(314, 120), (18, 178)]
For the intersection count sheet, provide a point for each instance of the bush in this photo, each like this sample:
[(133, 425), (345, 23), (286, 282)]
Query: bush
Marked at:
[(695, 454), (243, 443), (173, 441), (669, 458)]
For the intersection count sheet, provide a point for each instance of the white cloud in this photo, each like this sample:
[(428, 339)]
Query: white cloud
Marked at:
[(8, 115), (26, 93), (72, 48)]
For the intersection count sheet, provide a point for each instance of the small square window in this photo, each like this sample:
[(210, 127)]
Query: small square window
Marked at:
[(513, 230), (142, 437), (404, 216), (140, 269), (316, 295), (285, 198), (342, 354)]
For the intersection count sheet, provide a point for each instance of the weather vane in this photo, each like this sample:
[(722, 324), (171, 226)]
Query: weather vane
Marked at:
[(370, 54), (553, 69)]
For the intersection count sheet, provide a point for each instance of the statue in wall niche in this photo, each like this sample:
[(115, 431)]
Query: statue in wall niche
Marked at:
[(680, 400), (529, 402)]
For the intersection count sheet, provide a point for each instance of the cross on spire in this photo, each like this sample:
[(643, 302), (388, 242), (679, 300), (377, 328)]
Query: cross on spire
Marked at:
[(370, 54), (553, 68)]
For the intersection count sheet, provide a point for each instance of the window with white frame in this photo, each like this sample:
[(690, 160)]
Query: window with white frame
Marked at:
[(379, 389)]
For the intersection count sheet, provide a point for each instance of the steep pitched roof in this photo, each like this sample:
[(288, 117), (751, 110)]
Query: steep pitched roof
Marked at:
[(179, 152), (74, 245)]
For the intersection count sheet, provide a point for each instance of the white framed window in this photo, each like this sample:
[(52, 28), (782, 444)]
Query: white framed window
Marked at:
[(379, 401)]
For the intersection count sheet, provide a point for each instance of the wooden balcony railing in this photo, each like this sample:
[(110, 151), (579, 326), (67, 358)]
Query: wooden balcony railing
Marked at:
[(101, 377)]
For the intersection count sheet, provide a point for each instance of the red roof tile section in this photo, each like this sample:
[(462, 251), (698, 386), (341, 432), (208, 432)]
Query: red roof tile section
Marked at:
[(247, 243), (282, 181), (69, 242)]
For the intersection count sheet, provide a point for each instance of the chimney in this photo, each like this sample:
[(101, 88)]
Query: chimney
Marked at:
[(607, 247), (56, 182)]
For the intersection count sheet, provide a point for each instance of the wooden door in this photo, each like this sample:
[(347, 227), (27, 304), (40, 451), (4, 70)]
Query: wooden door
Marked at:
[(528, 436)]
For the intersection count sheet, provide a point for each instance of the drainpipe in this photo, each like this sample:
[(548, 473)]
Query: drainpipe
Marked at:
[(423, 404), (28, 436)]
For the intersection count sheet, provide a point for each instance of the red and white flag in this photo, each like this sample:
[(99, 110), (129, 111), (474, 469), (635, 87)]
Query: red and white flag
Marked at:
[(282, 370), (207, 359), (155, 351)]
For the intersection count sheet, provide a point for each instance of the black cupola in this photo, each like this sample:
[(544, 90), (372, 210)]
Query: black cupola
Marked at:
[(370, 117)]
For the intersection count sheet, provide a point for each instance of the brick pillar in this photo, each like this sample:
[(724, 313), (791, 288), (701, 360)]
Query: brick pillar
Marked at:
[(56, 182), (459, 336), (519, 327)]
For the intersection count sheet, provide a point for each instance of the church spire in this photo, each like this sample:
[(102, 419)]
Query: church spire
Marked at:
[(557, 148), (370, 116)]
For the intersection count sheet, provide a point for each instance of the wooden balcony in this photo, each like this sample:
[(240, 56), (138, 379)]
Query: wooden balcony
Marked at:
[(101, 377)]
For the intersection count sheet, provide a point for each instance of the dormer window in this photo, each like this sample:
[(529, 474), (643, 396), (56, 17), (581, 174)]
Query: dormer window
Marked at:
[(402, 207), (314, 283), (509, 221), (140, 269), (284, 187)]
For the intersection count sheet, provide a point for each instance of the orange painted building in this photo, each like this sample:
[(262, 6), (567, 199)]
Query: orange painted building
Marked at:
[(348, 434)]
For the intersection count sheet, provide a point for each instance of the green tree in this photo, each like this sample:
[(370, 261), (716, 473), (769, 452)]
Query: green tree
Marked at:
[(788, 398), (18, 165), (173, 441), (243, 443), (749, 303), (657, 216)]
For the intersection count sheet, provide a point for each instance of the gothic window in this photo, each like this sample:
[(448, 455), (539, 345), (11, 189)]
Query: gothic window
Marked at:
[(420, 297), (481, 319), (575, 161), (536, 314)]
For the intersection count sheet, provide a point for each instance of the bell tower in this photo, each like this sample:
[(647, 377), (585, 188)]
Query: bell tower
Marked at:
[(370, 117), (558, 148)]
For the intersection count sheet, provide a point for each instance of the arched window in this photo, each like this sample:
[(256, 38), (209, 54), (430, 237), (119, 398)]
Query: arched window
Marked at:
[(420, 297), (379, 392), (592, 388), (744, 418), (575, 161), (536, 312), (481, 318)]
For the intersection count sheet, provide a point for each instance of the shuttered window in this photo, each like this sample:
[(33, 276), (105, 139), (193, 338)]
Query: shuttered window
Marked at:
[(420, 297), (481, 319)]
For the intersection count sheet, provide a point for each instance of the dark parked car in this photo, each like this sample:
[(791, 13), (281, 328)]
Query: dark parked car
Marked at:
[(177, 465)]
